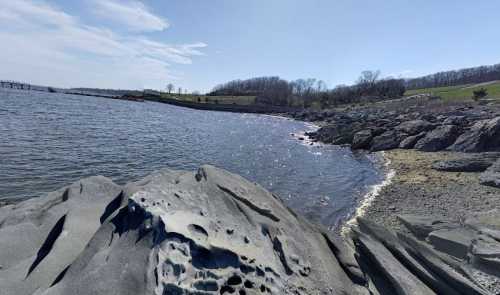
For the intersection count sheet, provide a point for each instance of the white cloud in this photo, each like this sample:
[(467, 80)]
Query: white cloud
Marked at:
[(133, 14), (45, 45)]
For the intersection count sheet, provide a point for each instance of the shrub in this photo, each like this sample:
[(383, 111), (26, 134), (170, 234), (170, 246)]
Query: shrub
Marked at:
[(478, 94)]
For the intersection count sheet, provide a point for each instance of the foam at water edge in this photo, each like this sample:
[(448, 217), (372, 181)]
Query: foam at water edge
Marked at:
[(370, 196)]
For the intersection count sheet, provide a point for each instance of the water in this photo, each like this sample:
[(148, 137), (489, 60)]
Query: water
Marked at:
[(50, 140)]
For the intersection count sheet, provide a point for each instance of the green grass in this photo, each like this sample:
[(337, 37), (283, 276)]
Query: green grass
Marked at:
[(462, 92), (239, 100)]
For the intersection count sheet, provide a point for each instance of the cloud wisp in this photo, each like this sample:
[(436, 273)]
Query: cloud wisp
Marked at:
[(47, 45), (133, 15)]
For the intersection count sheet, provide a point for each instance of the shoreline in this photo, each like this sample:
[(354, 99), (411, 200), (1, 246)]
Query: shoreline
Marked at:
[(417, 189), (368, 198)]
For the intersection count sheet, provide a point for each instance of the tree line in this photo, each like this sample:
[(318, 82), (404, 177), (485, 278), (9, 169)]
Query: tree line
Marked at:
[(308, 92), (457, 77)]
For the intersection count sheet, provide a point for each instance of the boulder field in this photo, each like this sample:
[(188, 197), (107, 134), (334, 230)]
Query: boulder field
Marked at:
[(213, 232), (460, 129)]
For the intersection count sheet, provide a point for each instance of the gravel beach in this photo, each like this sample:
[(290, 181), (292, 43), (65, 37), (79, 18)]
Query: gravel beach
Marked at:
[(416, 188)]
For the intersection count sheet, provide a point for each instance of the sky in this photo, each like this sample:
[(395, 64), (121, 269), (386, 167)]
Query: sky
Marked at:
[(197, 44)]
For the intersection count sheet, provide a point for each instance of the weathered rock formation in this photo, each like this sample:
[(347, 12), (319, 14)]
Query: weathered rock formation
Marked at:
[(213, 232)]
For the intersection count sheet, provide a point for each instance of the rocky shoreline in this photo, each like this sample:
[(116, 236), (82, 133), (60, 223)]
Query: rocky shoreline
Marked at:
[(436, 150), (444, 158), (213, 232)]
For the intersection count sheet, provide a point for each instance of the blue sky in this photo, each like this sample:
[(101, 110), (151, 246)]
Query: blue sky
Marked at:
[(196, 44)]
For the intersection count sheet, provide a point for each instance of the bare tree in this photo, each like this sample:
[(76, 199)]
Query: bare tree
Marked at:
[(170, 87), (179, 90)]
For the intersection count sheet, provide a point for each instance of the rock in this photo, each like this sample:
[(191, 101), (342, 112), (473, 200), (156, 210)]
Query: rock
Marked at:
[(213, 232), (387, 141), (467, 163), (41, 237), (401, 279), (421, 226), (362, 139), (398, 249), (485, 254), (337, 133), (414, 127), (483, 136), (96, 237), (438, 139), (448, 270), (491, 177), (410, 141), (456, 120), (455, 242)]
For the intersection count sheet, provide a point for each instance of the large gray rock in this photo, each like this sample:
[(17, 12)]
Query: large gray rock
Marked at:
[(410, 141), (483, 136), (209, 232), (468, 163), (485, 248), (455, 242), (414, 127), (491, 177), (390, 256), (438, 139), (421, 226), (41, 237), (362, 139), (387, 141), (485, 253)]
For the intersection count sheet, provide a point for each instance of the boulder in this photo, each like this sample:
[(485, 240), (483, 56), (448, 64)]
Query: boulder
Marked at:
[(467, 163), (456, 120), (410, 141), (387, 141), (337, 133), (491, 177), (174, 232), (483, 136), (414, 127), (438, 139), (362, 139)]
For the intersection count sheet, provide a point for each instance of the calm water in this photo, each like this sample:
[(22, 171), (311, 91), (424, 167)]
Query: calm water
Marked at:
[(50, 140)]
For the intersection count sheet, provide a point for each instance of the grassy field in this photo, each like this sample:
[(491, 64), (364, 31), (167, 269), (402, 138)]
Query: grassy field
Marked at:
[(239, 100), (462, 92)]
